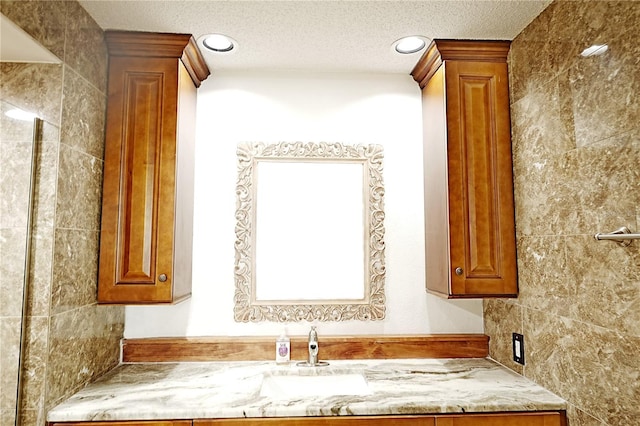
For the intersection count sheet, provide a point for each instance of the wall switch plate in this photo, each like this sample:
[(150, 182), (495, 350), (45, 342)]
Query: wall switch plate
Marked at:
[(518, 348)]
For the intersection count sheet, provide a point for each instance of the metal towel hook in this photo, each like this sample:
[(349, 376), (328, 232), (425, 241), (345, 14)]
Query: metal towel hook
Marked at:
[(622, 236)]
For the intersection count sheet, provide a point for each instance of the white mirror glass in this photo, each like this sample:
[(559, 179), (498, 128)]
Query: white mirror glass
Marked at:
[(309, 233)]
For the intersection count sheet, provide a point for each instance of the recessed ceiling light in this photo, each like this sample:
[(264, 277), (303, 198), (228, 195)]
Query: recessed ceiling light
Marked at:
[(411, 44), (218, 42), (20, 114), (595, 50)]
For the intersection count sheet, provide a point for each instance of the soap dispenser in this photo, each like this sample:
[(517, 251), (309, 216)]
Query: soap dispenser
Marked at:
[(283, 348)]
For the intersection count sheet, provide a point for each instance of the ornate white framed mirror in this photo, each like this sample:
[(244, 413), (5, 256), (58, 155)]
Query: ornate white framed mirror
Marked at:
[(309, 232)]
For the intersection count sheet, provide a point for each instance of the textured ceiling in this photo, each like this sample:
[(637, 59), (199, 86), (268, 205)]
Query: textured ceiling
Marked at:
[(325, 36)]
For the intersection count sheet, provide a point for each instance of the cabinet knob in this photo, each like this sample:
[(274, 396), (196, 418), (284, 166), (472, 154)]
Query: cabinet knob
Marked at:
[(162, 278), (459, 271)]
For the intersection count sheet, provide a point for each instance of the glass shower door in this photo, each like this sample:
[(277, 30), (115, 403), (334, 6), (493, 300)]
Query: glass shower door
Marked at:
[(17, 166)]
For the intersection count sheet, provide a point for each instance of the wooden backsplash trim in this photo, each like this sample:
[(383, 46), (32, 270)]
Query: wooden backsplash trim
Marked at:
[(331, 347)]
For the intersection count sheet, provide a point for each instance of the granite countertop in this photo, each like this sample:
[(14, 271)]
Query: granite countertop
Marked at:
[(208, 390)]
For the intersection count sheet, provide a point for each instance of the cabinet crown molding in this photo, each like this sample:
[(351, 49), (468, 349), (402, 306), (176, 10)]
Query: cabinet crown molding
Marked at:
[(160, 45), (441, 50)]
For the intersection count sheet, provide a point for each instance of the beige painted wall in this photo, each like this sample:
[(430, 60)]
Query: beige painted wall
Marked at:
[(71, 340), (576, 148)]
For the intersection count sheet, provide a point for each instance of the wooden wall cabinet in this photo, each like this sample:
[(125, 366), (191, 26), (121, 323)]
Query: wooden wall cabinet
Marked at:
[(147, 206), (468, 179)]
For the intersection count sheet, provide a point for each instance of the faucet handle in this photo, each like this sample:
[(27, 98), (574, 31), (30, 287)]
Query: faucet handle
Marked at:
[(313, 346), (313, 334)]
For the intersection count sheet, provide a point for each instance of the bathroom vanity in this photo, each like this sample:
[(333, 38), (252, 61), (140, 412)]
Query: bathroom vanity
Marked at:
[(434, 392), (501, 419)]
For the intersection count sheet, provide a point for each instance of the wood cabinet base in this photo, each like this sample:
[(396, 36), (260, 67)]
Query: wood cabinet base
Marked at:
[(535, 418), (134, 423)]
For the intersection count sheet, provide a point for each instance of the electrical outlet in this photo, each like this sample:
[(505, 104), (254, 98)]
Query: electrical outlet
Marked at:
[(518, 348)]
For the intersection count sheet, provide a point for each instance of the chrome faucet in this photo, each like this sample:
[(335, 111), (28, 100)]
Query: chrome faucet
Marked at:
[(313, 351), (313, 346)]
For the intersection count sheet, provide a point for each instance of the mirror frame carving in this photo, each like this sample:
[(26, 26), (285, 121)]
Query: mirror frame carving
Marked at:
[(372, 307)]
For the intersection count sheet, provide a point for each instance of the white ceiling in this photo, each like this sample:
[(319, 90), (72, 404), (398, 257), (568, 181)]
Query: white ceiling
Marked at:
[(325, 36)]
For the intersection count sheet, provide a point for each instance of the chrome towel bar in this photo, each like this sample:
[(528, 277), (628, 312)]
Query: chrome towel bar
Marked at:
[(622, 236)]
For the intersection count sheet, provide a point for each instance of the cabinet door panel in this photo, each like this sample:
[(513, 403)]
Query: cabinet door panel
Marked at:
[(324, 421), (479, 161), (139, 192), (480, 180), (512, 419), (124, 423)]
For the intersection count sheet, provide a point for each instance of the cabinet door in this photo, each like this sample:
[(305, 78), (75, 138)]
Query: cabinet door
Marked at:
[(507, 419), (136, 247), (480, 180), (124, 423), (324, 421)]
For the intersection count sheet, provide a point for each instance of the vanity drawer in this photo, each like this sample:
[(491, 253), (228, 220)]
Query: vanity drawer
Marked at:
[(324, 421)]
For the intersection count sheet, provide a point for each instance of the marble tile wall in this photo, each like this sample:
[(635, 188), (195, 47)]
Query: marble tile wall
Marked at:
[(71, 340), (576, 151)]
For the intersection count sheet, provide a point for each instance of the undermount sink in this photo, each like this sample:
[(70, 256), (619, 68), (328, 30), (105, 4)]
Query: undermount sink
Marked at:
[(300, 386)]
